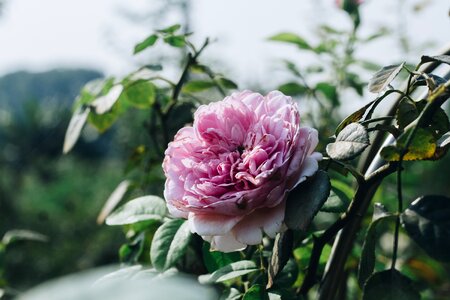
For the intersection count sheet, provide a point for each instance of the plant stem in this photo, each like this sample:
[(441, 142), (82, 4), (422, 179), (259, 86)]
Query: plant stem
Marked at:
[(320, 242), (399, 210), (344, 243)]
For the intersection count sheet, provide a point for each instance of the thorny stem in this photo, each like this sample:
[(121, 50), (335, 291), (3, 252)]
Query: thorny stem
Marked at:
[(320, 242), (399, 210), (355, 214), (191, 59), (366, 188)]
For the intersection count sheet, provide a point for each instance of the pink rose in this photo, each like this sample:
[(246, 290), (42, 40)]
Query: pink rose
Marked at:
[(230, 172)]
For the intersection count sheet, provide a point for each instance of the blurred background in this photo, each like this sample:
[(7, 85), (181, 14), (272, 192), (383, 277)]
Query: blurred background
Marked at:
[(49, 49)]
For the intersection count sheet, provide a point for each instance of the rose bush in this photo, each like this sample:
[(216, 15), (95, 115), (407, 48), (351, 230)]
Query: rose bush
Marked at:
[(230, 172)]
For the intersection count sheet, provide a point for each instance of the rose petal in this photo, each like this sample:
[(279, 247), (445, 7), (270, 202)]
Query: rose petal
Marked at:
[(226, 243), (211, 224), (249, 230)]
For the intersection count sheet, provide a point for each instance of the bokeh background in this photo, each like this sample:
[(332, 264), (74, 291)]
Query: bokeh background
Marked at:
[(50, 48)]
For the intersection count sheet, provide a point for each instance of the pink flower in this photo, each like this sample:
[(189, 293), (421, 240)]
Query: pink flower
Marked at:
[(230, 172)]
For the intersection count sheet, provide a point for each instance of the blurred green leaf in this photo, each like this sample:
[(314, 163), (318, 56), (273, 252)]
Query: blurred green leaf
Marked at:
[(105, 102), (427, 221), (369, 65), (169, 244), (170, 30), (178, 41), (350, 142), (15, 235), (227, 83), (104, 121), (367, 260), (292, 89), (380, 33), (383, 78), (256, 292), (141, 94), (231, 271), (138, 210), (292, 38), (305, 200), (113, 200), (353, 81), (423, 146), (76, 124), (148, 42), (215, 260), (195, 86), (389, 285), (329, 91)]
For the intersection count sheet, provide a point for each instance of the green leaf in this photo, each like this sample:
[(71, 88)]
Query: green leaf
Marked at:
[(292, 89), (141, 94), (113, 200), (170, 29), (104, 121), (350, 142), (92, 90), (195, 86), (389, 285), (256, 292), (305, 200), (354, 117), (169, 244), (280, 255), (381, 79), (438, 58), (337, 202), (138, 210), (292, 38), (105, 102), (130, 253), (215, 260), (178, 41), (427, 222), (227, 83), (423, 146), (367, 261), (148, 42), (329, 91), (231, 271), (353, 81), (231, 294), (406, 112), (15, 235), (76, 124)]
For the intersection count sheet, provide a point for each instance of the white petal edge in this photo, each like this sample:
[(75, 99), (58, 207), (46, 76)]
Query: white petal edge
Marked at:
[(212, 224)]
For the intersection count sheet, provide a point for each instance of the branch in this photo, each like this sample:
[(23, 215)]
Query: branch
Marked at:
[(344, 243)]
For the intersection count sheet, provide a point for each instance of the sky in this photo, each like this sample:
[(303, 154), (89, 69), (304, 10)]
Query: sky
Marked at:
[(100, 34)]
